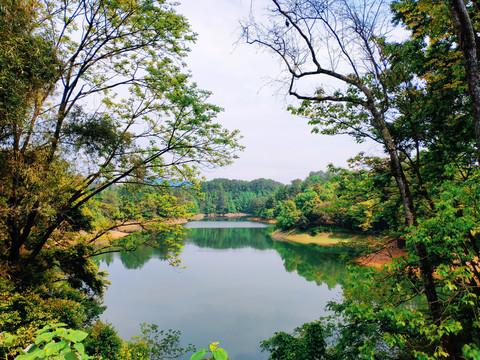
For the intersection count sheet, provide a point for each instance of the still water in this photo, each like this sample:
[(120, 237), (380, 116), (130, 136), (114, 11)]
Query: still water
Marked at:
[(238, 287)]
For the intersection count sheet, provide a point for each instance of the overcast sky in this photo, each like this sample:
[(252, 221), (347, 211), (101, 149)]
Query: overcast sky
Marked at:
[(278, 145)]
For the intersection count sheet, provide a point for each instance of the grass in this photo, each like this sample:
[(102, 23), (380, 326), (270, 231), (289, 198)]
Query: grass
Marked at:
[(321, 238), (327, 239)]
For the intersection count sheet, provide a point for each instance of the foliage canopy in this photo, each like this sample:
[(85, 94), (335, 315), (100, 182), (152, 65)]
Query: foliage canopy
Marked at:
[(93, 94), (418, 98)]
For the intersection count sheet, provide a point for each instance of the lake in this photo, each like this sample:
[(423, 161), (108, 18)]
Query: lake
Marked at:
[(238, 287)]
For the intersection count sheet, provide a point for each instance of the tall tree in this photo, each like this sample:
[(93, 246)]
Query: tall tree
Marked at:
[(466, 28), (92, 94), (340, 44)]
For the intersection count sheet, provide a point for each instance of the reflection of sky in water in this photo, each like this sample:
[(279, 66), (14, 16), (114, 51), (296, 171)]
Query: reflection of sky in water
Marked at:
[(220, 224), (236, 296)]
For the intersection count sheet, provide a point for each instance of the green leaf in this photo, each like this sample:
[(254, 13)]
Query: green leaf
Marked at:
[(55, 347), (32, 348), (79, 347), (220, 354), (45, 337), (31, 356), (199, 354), (6, 339), (76, 336), (71, 356)]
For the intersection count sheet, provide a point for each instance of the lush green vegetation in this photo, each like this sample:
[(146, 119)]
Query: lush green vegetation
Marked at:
[(98, 342), (125, 203), (361, 200), (222, 196), (95, 107), (418, 97)]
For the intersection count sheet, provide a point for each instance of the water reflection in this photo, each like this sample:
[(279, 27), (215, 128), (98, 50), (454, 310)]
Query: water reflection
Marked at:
[(239, 287), (134, 259), (320, 264), (229, 223), (231, 238)]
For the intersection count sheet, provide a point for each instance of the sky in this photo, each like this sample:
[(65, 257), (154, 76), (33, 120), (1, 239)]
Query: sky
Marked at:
[(278, 145)]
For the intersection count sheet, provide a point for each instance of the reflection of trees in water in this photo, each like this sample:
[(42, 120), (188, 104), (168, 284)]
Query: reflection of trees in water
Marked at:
[(314, 263), (231, 238), (321, 264), (155, 243), (136, 259), (132, 259), (104, 258)]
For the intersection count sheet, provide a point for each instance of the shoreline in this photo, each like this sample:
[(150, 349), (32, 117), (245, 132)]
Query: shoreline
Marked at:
[(129, 228), (321, 238), (375, 259)]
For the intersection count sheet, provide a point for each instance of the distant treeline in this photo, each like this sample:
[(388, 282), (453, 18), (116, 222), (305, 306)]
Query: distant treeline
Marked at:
[(254, 197), (223, 196), (360, 200)]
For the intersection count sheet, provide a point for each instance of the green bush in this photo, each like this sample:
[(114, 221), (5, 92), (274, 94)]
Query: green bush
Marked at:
[(103, 342)]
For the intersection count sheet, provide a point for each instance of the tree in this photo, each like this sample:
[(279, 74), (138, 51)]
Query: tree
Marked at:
[(155, 344), (223, 195), (416, 98), (306, 342), (435, 56), (465, 26), (352, 37), (289, 215), (92, 94), (355, 60)]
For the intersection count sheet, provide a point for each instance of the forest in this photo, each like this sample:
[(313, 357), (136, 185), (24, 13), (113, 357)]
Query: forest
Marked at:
[(235, 196), (101, 126)]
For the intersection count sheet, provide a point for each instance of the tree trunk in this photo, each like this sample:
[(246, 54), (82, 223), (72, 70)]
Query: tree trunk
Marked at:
[(469, 44), (426, 270)]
